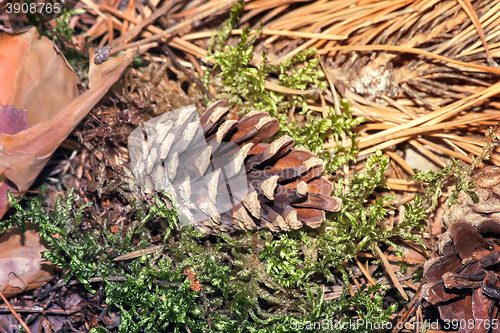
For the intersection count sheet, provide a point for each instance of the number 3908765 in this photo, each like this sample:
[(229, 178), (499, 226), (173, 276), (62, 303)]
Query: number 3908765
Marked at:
[(455, 324), (25, 8)]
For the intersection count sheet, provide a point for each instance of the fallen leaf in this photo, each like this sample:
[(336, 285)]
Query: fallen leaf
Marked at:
[(34, 77), (21, 263), (38, 80), (13, 120), (35, 83)]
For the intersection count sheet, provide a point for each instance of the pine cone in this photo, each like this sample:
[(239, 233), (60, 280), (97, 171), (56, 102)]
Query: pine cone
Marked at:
[(463, 283), (223, 178)]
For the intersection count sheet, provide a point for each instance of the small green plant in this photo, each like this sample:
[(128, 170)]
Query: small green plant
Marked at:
[(151, 293), (219, 38), (244, 85), (315, 130), (456, 168), (239, 283), (460, 171), (62, 29)]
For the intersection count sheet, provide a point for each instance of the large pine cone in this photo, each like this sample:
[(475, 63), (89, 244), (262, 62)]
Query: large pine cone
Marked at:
[(463, 283), (223, 178)]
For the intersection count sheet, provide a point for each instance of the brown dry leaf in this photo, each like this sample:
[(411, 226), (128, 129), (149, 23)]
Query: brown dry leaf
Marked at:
[(21, 263), (13, 121), (35, 78), (38, 80)]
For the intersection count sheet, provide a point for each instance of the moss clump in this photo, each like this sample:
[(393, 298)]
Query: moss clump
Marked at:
[(254, 282)]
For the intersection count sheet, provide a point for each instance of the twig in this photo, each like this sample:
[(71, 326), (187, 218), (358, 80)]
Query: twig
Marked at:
[(284, 33), (170, 31), (388, 269), (409, 50), (405, 313), (186, 71), (393, 258), (406, 111), (285, 90), (123, 279), (415, 96), (19, 319), (137, 29), (467, 7), (135, 254), (39, 310), (336, 103), (364, 271)]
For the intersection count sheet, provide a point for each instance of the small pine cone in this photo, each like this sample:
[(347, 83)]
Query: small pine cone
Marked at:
[(463, 283), (224, 178)]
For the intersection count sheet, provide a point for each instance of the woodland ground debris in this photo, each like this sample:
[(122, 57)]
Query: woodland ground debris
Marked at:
[(246, 282), (263, 281)]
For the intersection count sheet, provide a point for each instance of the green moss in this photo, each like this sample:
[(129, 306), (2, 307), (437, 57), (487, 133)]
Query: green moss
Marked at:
[(457, 169), (248, 283), (219, 38), (255, 282)]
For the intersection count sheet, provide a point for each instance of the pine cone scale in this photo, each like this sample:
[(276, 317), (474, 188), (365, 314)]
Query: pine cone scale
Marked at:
[(464, 282)]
